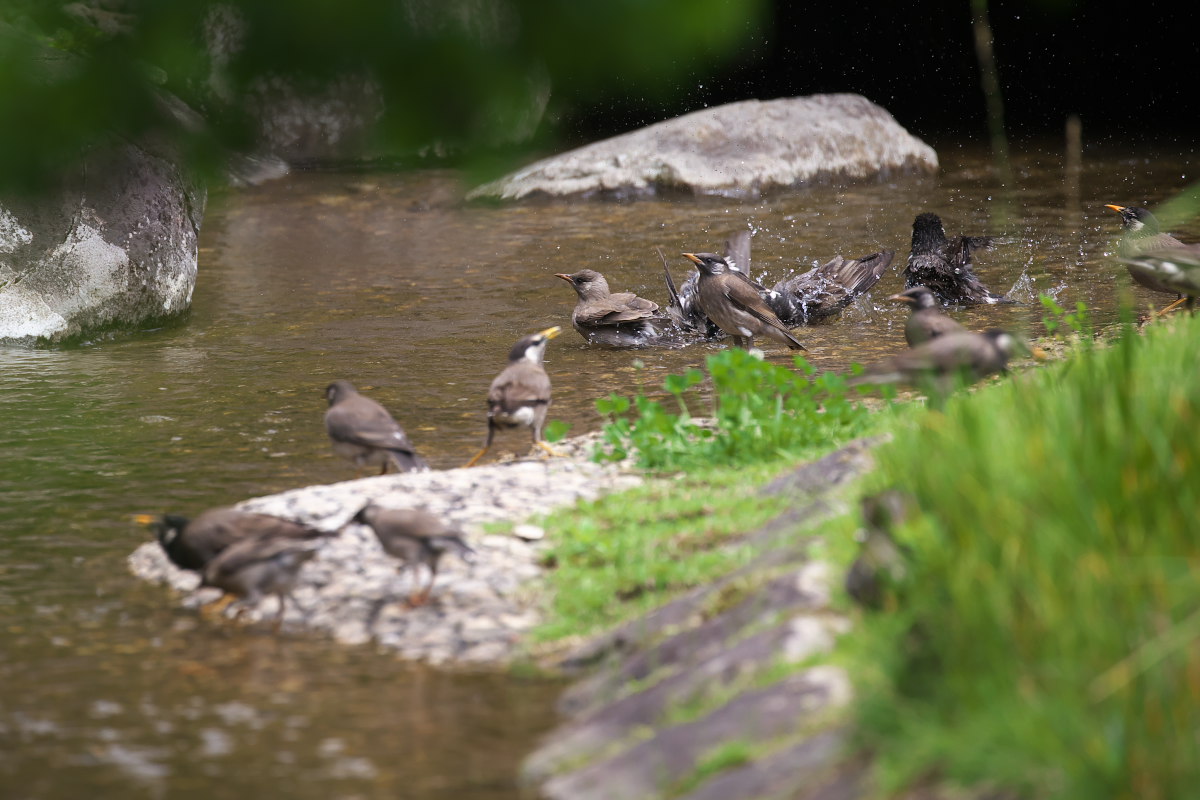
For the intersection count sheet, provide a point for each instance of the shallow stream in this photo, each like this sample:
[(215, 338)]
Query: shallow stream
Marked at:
[(107, 690)]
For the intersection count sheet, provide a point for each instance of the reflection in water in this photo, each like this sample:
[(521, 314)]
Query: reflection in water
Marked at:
[(385, 281)]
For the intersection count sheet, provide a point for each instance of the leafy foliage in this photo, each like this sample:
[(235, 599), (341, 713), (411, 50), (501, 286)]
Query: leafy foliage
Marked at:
[(1057, 318), (1050, 611), (761, 412), (461, 74)]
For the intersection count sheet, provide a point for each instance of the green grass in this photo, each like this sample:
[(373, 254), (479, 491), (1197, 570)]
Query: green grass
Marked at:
[(1046, 638), (624, 554), (761, 412), (721, 758)]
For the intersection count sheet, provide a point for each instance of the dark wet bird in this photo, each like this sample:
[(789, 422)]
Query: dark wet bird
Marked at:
[(1144, 236), (882, 561), (818, 294), (364, 433), (252, 568), (520, 395), (415, 537), (942, 363), (927, 321), (824, 291), (1177, 269), (944, 265), (618, 320), (193, 543), (684, 306), (729, 300)]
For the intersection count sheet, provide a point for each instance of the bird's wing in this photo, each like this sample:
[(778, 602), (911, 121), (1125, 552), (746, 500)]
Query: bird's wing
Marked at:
[(743, 296), (737, 251), (520, 384), (683, 310), (261, 525), (366, 423), (938, 324), (248, 552), (972, 243), (622, 307)]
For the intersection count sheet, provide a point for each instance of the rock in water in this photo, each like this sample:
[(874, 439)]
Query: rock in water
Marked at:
[(737, 150), (114, 244)]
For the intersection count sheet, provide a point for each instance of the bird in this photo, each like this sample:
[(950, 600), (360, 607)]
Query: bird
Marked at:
[(257, 566), (415, 537), (824, 291), (520, 395), (881, 561), (926, 321), (729, 300), (1144, 236), (192, 543), (363, 432), (945, 362), (617, 320), (944, 265), (684, 306), (1176, 268)]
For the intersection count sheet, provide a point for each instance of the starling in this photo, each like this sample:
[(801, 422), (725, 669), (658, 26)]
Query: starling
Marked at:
[(730, 300), (415, 537), (926, 321), (944, 265), (617, 320), (363, 432), (520, 395)]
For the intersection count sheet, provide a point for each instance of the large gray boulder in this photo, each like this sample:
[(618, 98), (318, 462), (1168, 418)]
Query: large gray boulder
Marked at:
[(114, 245), (738, 150)]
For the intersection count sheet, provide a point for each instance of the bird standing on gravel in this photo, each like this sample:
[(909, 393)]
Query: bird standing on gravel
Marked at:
[(364, 433), (415, 537), (944, 265), (926, 322), (192, 543), (731, 300), (262, 565), (520, 395)]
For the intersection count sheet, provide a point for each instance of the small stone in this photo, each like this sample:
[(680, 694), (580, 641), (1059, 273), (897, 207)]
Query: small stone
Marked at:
[(530, 533)]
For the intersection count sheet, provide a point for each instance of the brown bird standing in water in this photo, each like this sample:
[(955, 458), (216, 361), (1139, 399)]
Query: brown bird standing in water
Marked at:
[(363, 432), (1144, 236), (415, 537), (684, 307), (617, 320), (192, 543), (520, 394), (926, 321), (945, 362), (731, 301)]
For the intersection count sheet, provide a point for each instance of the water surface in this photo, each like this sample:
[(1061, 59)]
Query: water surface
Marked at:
[(387, 280)]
